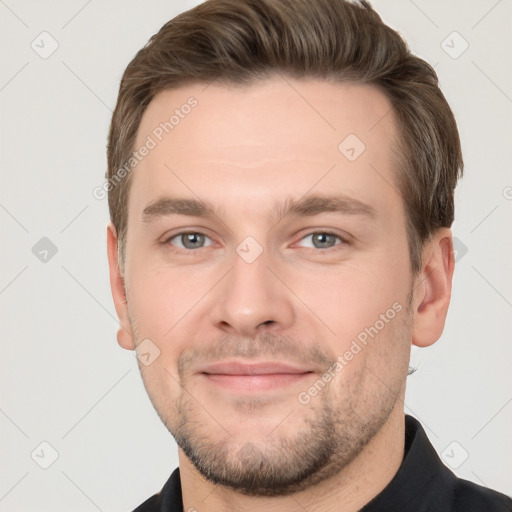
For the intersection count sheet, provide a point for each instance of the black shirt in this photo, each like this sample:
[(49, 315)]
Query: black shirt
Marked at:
[(422, 484)]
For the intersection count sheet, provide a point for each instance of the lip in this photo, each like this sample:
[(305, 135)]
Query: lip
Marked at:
[(262, 376), (241, 368)]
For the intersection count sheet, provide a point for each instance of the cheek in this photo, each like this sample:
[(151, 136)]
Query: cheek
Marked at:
[(166, 304), (352, 298), (160, 297), (151, 304)]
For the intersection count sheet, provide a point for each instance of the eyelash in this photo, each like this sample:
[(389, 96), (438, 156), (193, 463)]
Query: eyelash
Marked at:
[(343, 241)]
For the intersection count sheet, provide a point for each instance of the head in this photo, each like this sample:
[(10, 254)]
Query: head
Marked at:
[(281, 180)]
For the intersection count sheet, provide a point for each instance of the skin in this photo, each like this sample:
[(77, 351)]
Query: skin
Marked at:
[(245, 150)]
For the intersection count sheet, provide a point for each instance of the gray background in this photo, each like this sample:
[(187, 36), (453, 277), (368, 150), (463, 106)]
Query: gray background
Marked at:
[(63, 378)]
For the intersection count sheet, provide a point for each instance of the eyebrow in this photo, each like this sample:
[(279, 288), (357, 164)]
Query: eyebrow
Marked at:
[(307, 206)]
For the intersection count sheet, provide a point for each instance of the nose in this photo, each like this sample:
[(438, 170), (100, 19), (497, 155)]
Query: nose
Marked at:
[(251, 298)]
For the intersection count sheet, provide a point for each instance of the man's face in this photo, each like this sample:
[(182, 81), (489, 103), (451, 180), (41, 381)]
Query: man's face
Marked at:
[(284, 335)]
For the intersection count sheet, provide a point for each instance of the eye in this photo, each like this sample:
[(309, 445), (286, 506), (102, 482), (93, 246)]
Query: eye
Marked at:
[(321, 240), (189, 240)]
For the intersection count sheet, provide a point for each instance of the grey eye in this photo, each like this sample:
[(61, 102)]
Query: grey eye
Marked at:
[(321, 240), (190, 240)]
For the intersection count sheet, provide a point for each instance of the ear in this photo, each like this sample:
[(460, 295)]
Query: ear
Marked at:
[(124, 334), (433, 289)]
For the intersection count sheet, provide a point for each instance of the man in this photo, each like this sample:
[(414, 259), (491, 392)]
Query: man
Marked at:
[(281, 178)]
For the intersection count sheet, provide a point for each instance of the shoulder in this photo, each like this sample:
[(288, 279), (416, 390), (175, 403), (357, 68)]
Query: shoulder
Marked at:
[(169, 499), (152, 504), (470, 497)]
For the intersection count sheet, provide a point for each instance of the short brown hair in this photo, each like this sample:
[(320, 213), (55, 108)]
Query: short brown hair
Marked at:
[(240, 41)]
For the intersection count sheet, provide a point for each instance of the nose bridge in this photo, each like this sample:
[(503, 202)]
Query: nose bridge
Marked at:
[(249, 275), (251, 295)]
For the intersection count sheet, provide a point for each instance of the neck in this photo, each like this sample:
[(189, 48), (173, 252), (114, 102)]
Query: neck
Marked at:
[(348, 491)]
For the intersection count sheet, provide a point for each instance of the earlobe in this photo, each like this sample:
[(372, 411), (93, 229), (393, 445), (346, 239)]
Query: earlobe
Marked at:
[(434, 285), (124, 334)]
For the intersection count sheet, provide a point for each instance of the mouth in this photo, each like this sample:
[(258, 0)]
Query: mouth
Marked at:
[(254, 377)]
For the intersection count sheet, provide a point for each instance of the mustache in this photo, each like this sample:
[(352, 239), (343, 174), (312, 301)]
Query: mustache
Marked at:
[(267, 346)]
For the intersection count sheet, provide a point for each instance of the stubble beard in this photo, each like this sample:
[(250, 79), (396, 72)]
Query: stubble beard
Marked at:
[(326, 443), (329, 437)]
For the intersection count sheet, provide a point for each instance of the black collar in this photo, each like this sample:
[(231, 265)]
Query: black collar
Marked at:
[(420, 478), (422, 484)]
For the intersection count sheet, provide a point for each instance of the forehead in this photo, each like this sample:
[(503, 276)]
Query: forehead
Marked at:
[(245, 143)]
